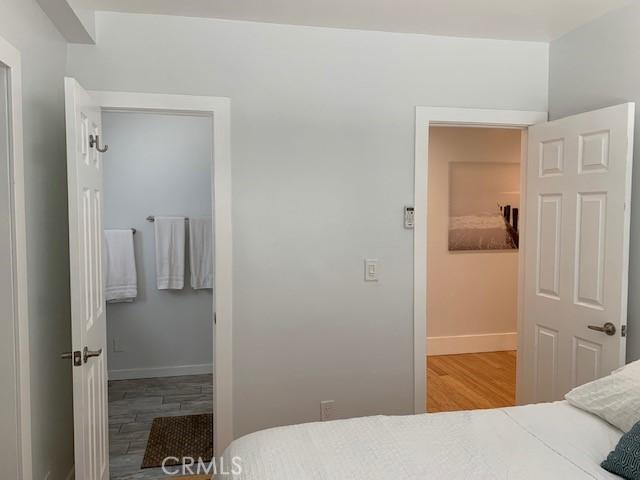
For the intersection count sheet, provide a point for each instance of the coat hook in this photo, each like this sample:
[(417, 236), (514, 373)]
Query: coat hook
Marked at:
[(95, 142)]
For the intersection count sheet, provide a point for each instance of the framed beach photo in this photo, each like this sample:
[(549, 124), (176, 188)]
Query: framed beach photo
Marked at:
[(484, 203)]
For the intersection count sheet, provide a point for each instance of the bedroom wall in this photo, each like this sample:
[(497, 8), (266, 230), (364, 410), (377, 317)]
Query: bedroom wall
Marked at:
[(471, 296), (43, 50), (322, 153), (596, 66), (157, 165)]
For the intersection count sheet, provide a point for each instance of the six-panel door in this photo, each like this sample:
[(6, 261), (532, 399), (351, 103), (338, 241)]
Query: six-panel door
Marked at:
[(576, 250), (84, 169)]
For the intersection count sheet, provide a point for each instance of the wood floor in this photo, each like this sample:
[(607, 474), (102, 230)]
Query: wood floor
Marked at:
[(471, 381)]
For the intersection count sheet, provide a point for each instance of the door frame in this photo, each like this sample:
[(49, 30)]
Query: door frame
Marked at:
[(457, 117), (219, 108), (10, 57)]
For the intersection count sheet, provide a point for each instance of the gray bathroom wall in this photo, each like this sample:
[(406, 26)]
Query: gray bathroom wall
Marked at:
[(157, 165)]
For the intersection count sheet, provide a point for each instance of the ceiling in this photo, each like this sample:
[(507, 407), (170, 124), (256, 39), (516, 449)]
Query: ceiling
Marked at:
[(537, 20)]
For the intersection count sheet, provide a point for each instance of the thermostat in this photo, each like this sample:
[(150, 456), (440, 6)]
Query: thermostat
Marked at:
[(409, 217)]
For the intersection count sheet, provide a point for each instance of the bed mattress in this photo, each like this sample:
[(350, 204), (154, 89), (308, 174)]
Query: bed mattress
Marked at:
[(544, 441)]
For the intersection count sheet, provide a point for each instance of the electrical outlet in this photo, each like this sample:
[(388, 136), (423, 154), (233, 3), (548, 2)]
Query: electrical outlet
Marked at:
[(326, 410), (117, 345)]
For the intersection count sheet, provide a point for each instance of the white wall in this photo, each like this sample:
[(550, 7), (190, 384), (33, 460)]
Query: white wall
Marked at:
[(322, 153), (43, 51), (468, 293), (595, 66), (157, 165)]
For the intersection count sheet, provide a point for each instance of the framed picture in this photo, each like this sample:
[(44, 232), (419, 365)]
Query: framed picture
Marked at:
[(484, 203)]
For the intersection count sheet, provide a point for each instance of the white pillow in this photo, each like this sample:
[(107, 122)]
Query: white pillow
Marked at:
[(615, 398)]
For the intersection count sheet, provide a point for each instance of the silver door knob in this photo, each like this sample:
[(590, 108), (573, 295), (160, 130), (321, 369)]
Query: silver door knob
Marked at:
[(76, 356), (87, 354), (608, 328)]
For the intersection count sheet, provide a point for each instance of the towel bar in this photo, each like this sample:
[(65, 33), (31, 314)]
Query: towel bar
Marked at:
[(152, 218)]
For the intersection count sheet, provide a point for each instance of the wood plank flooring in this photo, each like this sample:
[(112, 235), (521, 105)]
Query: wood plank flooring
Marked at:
[(471, 381), (133, 404)]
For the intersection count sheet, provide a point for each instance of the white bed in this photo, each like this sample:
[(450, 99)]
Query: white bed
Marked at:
[(541, 442)]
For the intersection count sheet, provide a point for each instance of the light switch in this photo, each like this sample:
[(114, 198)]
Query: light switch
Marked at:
[(371, 270)]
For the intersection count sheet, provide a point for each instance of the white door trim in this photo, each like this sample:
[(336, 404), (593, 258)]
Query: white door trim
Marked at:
[(426, 117), (10, 57), (219, 109)]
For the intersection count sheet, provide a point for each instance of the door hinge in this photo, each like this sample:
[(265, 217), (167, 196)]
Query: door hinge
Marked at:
[(623, 331), (215, 319)]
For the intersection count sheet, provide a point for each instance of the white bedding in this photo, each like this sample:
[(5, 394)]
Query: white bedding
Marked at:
[(545, 441)]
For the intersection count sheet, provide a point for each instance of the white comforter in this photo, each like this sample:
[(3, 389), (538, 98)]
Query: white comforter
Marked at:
[(541, 442)]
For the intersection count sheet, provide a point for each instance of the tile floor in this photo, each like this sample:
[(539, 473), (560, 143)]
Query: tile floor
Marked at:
[(133, 404)]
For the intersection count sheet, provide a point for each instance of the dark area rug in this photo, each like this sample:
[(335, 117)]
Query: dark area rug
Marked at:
[(189, 436)]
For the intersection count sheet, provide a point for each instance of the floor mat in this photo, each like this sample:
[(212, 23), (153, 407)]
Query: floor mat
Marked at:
[(174, 438)]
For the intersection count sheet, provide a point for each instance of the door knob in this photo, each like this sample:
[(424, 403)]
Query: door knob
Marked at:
[(76, 356), (608, 328), (87, 354)]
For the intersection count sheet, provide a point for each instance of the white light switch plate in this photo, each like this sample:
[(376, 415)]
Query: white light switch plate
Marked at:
[(371, 270)]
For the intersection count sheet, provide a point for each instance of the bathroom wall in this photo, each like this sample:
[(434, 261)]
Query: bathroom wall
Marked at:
[(157, 165)]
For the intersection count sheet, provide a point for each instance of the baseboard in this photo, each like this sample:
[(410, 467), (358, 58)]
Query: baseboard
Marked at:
[(127, 374), (491, 342), (72, 473)]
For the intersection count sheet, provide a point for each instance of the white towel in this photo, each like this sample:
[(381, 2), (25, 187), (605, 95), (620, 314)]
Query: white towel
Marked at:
[(201, 252), (121, 283), (170, 233)]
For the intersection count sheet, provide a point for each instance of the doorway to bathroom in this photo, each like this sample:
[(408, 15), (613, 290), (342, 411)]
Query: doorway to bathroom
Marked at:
[(150, 257), (158, 224)]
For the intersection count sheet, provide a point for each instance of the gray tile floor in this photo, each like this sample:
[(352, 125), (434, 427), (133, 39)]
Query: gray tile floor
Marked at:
[(133, 404)]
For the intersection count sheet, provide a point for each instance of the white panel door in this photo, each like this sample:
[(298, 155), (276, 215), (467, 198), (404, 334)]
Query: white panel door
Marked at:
[(89, 335), (578, 193)]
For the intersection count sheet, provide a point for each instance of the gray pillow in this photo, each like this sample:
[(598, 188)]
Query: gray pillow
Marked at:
[(624, 460)]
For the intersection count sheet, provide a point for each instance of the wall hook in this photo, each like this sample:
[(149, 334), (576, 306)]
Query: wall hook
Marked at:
[(95, 142)]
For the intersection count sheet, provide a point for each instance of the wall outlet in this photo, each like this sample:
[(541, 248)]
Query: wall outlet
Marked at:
[(326, 410), (117, 345)]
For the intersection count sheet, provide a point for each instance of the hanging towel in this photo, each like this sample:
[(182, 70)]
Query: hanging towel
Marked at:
[(170, 232), (121, 283), (201, 252)]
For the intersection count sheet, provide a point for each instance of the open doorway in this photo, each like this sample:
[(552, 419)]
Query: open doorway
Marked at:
[(574, 220), (157, 183), (427, 117), (473, 233), (145, 156)]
